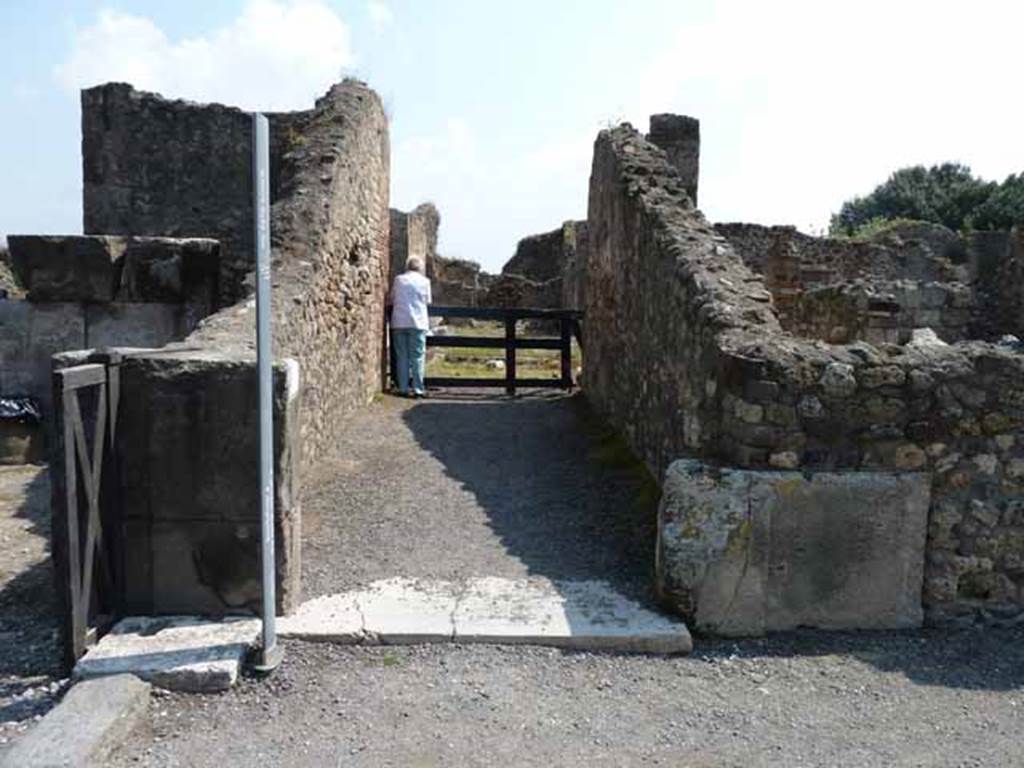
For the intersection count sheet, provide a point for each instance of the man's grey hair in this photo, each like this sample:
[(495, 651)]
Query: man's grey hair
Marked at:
[(414, 264)]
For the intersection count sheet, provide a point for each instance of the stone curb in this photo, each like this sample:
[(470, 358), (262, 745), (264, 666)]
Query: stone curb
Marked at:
[(574, 615), (93, 719)]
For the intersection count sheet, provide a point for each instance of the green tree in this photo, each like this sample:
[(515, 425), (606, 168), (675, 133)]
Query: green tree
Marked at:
[(945, 194), (1004, 208)]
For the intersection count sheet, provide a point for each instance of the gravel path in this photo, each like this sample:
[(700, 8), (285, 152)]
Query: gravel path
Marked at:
[(29, 641), (465, 486), (807, 699)]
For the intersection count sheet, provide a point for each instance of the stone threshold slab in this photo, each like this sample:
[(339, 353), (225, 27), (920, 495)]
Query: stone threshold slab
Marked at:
[(89, 724), (584, 615), (178, 653)]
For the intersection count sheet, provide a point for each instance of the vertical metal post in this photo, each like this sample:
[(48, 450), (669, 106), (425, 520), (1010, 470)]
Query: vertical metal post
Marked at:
[(510, 355), (270, 654)]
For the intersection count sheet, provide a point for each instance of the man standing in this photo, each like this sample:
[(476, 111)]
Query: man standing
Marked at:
[(410, 296)]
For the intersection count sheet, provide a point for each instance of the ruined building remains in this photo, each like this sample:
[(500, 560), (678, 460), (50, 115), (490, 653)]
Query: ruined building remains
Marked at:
[(825, 460), (168, 257)]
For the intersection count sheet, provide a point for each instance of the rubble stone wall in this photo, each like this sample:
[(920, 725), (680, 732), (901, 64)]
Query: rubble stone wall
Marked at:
[(686, 356), (458, 282), (414, 234), (882, 312), (997, 258)]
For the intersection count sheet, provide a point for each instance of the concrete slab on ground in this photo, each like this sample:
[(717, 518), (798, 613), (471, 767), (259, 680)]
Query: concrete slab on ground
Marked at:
[(572, 614), (84, 729), (179, 653)]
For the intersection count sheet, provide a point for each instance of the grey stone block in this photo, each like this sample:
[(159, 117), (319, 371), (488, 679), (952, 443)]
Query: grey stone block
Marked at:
[(170, 270), (30, 334), (188, 450), (121, 324), (179, 653), (68, 267), (85, 728), (743, 552)]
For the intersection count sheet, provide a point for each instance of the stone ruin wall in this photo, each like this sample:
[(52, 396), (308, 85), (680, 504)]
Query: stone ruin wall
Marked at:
[(547, 270), (191, 533), (687, 357), (154, 164), (77, 292), (414, 234)]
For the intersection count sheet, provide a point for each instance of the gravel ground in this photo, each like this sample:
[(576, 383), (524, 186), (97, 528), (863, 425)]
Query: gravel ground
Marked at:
[(806, 699), (29, 641), (454, 487)]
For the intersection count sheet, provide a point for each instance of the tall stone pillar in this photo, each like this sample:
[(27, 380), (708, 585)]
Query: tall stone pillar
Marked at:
[(679, 136)]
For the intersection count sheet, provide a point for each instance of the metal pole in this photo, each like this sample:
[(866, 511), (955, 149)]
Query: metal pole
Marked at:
[(270, 654)]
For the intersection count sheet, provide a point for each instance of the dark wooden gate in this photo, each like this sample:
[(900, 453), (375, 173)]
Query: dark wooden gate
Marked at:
[(567, 321), (84, 487)]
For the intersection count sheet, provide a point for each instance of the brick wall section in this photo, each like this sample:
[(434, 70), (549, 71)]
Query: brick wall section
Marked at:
[(685, 355)]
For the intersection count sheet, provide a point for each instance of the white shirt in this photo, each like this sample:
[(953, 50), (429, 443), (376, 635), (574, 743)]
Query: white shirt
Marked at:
[(410, 296)]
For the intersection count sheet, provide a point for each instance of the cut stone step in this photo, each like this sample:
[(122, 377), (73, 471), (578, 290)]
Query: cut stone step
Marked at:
[(179, 653), (587, 615)]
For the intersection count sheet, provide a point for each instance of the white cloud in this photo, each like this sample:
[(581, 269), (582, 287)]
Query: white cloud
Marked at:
[(381, 15), (276, 55), (804, 104)]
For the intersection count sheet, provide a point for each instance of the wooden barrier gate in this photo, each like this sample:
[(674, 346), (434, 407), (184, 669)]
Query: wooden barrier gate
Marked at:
[(568, 322), (82, 476)]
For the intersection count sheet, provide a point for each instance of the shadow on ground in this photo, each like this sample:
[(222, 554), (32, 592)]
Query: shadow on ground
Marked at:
[(28, 623), (558, 490)]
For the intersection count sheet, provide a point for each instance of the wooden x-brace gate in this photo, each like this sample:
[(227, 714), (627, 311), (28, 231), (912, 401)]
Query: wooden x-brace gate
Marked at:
[(87, 571)]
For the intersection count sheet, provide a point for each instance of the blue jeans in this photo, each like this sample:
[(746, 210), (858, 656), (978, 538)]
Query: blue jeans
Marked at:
[(410, 358)]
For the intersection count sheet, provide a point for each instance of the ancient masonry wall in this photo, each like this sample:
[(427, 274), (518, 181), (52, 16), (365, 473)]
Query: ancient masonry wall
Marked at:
[(92, 292), (155, 166), (414, 234), (191, 532), (686, 356), (997, 260)]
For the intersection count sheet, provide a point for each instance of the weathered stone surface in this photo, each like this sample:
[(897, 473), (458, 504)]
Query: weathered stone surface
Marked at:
[(30, 334), (121, 324), (414, 234), (679, 136), (191, 498), (179, 653), (68, 267), (682, 351), (89, 724), (744, 552), (583, 615), (171, 271), (408, 611)]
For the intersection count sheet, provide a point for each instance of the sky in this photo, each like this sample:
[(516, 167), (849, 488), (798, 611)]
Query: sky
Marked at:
[(494, 106)]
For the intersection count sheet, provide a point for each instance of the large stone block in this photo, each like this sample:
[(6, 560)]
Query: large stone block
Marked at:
[(744, 552), (30, 334), (170, 270), (188, 453), (68, 267), (122, 324)]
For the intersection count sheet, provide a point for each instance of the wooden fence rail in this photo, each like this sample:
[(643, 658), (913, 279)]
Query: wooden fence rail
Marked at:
[(568, 322)]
